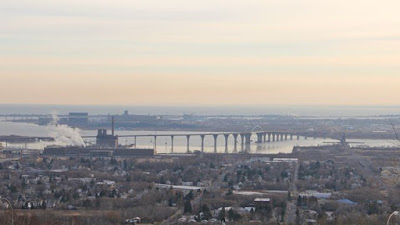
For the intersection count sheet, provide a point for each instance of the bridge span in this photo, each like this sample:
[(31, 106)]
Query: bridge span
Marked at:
[(243, 137)]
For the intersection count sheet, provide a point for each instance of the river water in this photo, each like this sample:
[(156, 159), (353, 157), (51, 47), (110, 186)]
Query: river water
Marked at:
[(163, 144)]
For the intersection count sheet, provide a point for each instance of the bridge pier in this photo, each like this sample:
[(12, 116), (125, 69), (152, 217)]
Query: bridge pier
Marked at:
[(202, 142), (248, 141), (215, 142), (286, 137), (226, 142), (273, 136), (282, 137), (235, 142), (188, 143), (298, 137), (155, 143), (242, 141), (269, 137), (135, 141), (172, 143), (260, 138), (291, 136)]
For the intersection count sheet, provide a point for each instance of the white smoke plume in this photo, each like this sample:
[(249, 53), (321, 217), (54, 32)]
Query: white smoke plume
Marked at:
[(64, 134)]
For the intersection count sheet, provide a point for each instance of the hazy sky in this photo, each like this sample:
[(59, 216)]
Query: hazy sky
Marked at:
[(175, 52)]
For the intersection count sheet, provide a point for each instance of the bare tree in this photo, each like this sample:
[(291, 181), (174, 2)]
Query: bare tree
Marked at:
[(396, 133)]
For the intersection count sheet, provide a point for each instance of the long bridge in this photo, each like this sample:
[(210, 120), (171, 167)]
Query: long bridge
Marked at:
[(245, 138)]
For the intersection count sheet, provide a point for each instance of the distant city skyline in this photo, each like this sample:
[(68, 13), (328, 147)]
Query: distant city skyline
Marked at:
[(182, 52)]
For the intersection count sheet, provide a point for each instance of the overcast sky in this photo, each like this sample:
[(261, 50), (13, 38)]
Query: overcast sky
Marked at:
[(204, 52)]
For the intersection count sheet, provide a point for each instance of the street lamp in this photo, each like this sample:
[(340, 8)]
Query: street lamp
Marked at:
[(395, 213), (12, 210)]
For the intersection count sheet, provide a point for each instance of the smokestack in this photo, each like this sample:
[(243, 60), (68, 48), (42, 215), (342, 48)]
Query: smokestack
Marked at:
[(112, 128)]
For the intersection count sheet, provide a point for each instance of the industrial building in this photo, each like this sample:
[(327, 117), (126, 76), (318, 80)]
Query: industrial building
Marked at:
[(127, 120), (97, 152), (104, 140), (126, 117), (78, 119)]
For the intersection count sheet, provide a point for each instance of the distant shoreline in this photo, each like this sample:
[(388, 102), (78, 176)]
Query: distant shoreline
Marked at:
[(282, 110)]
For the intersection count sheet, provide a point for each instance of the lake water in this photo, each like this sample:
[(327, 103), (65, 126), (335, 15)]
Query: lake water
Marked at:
[(163, 144)]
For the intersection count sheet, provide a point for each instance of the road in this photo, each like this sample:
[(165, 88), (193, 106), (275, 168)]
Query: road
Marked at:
[(291, 206)]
